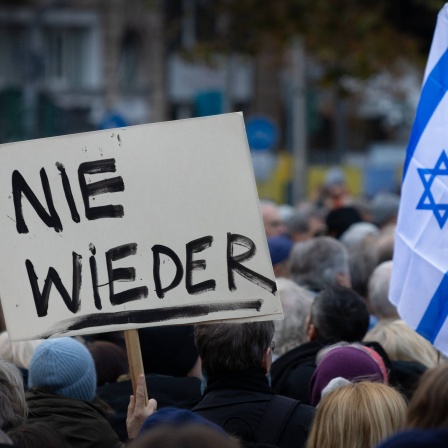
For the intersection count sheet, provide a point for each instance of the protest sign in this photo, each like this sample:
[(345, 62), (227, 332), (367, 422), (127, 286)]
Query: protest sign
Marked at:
[(419, 285), (148, 225)]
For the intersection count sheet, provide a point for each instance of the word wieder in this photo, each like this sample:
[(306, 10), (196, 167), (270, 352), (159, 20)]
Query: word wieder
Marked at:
[(115, 184)]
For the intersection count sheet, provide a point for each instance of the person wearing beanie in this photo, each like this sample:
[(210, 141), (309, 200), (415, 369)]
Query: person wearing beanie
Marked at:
[(279, 249), (62, 382), (352, 363)]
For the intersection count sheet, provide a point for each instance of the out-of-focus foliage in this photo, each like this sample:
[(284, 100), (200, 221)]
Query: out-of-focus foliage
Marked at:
[(354, 37)]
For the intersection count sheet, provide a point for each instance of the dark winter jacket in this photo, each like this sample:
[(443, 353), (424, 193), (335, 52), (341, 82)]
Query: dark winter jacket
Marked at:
[(237, 403), (292, 372), (180, 392), (83, 424)]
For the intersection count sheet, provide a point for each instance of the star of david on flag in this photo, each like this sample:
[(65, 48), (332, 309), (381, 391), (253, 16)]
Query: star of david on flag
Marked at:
[(427, 201), (419, 284)]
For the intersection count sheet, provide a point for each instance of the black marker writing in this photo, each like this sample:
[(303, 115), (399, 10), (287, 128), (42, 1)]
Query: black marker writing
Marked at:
[(111, 185), (68, 192), (123, 275), (193, 247), (20, 186), (41, 300), (157, 250), (234, 263)]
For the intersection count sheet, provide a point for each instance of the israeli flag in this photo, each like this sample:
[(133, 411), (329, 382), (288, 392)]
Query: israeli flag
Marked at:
[(419, 286)]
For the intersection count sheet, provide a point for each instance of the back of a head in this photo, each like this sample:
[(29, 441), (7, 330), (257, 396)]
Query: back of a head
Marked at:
[(428, 407), (233, 348), (339, 314), (319, 262), (13, 407), (358, 415), (384, 207), (63, 366), (378, 292), (188, 436), (350, 362), (19, 352), (401, 343), (357, 233), (168, 350), (417, 438), (296, 303), (306, 222), (111, 361), (340, 219)]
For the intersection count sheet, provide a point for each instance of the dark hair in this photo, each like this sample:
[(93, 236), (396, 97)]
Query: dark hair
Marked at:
[(110, 360), (339, 314), (37, 435), (428, 407), (227, 348), (188, 436)]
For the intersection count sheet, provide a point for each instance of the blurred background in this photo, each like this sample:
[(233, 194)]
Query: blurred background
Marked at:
[(321, 83)]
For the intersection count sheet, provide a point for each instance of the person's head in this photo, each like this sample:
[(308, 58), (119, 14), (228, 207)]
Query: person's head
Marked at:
[(234, 348), (37, 434), (188, 436), (111, 361), (169, 350), (19, 352), (385, 244), (428, 407), (350, 362), (417, 438), (378, 292), (402, 343), (340, 219), (305, 223), (358, 415), (338, 314), (279, 249), (296, 303), (13, 407), (335, 182), (384, 207), (63, 366), (360, 240), (272, 220), (175, 418), (319, 262)]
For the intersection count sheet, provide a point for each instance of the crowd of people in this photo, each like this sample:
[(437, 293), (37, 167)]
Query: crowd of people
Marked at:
[(340, 370)]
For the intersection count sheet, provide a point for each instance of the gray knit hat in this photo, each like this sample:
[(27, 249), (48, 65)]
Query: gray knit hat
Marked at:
[(65, 367)]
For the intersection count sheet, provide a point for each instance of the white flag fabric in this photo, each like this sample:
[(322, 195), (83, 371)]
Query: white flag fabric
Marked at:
[(419, 286)]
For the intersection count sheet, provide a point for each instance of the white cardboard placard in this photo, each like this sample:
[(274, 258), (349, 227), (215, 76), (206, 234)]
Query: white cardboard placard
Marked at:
[(128, 213)]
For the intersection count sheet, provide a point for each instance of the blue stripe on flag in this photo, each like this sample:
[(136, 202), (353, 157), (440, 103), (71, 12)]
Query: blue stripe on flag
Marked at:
[(436, 313), (433, 91)]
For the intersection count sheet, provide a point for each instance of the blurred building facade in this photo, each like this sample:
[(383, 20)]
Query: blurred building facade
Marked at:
[(73, 66), (70, 66)]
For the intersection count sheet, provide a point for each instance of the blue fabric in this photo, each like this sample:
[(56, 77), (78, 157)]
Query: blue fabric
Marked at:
[(418, 438), (177, 418), (279, 248), (64, 367), (433, 91), (436, 313)]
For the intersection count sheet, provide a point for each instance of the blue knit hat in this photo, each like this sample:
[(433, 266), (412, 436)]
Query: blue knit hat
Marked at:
[(65, 367), (279, 248)]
